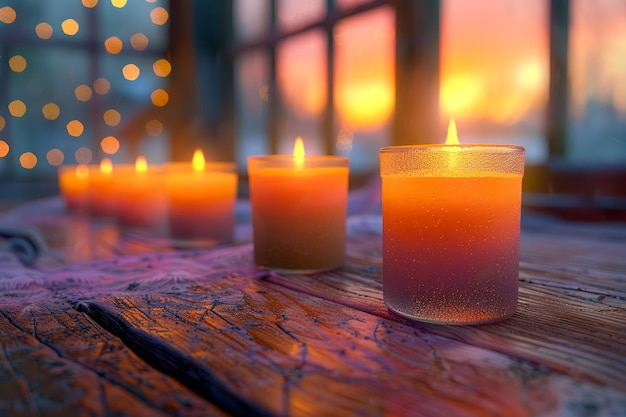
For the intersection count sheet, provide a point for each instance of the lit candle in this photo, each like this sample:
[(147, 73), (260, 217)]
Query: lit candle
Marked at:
[(73, 184), (451, 222), (102, 197), (201, 199), (141, 196), (298, 210)]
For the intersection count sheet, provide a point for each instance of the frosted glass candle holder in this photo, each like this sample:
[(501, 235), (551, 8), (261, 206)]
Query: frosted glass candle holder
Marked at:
[(451, 225)]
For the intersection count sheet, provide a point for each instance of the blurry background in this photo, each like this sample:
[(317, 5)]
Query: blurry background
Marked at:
[(81, 80)]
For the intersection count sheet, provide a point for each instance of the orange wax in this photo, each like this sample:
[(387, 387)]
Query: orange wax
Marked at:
[(299, 212), (451, 235), (73, 184), (201, 203), (141, 198), (102, 196)]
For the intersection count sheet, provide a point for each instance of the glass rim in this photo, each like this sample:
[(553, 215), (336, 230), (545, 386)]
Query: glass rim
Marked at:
[(286, 157), (470, 147)]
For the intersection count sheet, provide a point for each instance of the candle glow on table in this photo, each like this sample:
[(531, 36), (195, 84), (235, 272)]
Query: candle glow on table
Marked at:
[(451, 222), (299, 208), (141, 196), (201, 198), (73, 184), (102, 196)]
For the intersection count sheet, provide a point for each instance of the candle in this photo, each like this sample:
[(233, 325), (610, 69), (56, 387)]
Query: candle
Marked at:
[(201, 198), (102, 196), (73, 184), (298, 210), (451, 220), (141, 196)]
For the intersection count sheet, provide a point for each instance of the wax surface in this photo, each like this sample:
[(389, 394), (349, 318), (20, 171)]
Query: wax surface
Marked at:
[(451, 246), (74, 187), (142, 201), (102, 196), (299, 217), (202, 205)]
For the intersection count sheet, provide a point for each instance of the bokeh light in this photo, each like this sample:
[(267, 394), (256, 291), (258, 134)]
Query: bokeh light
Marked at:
[(17, 108), (118, 3), (50, 111), (162, 68), (44, 30), (131, 72), (113, 45), (154, 127), (4, 149), (55, 157), (101, 86), (159, 16), (90, 3), (83, 92), (83, 155), (75, 128), (7, 15), (139, 41), (2, 123), (17, 63), (159, 97), (110, 145), (28, 160), (112, 117), (70, 27)]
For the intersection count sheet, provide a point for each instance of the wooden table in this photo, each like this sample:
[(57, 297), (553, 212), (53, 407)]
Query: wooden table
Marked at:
[(108, 322)]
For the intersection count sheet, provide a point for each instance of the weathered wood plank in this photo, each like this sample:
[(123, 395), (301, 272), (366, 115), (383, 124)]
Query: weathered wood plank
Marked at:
[(55, 361), (296, 354)]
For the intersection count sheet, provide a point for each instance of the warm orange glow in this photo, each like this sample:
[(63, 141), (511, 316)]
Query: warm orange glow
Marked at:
[(44, 30), (83, 93), (365, 78), (50, 111), (106, 166), (17, 63), (113, 45), (198, 160), (298, 152), (110, 145), (70, 27), (159, 16), (141, 165), (7, 15), (82, 171), (112, 117), (162, 68), (453, 137), (497, 68), (2, 123), (17, 108), (159, 97), (90, 3), (28, 160), (4, 149), (75, 128), (131, 72)]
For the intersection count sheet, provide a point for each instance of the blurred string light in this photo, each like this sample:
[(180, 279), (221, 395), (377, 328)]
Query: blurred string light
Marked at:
[(112, 117)]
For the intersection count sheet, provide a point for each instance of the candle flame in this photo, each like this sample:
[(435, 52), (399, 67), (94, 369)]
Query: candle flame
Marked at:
[(82, 171), (452, 138), (106, 166), (198, 160), (141, 165), (298, 152)]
